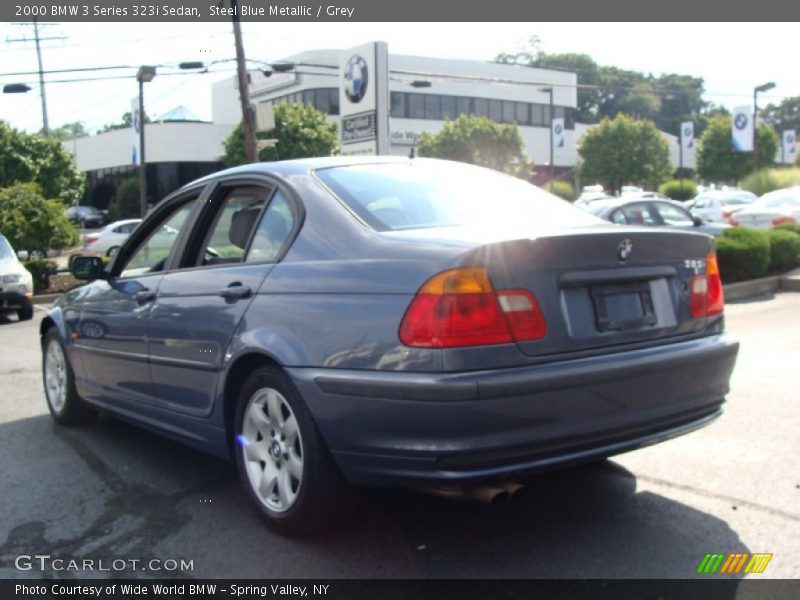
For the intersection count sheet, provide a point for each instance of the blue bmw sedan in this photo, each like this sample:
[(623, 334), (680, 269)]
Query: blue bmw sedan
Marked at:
[(338, 322)]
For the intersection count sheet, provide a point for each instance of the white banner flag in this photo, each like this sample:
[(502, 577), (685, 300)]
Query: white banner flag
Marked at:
[(789, 153), (687, 136), (136, 121), (558, 133), (742, 129)]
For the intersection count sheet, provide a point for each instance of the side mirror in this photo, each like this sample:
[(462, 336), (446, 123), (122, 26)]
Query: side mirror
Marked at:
[(87, 267), (22, 255), (697, 221)]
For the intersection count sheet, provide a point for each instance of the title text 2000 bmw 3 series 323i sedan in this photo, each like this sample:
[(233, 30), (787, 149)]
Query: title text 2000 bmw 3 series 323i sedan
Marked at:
[(335, 322)]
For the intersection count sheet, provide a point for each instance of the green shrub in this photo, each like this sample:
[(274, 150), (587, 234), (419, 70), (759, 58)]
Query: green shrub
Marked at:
[(784, 249), (562, 189), (767, 180), (743, 253), (790, 227), (679, 189), (126, 203), (41, 270)]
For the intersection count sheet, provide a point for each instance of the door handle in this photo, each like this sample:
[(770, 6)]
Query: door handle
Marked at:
[(144, 296), (235, 291)]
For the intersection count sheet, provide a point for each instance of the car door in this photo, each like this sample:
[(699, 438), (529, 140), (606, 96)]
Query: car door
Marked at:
[(198, 307), (114, 314)]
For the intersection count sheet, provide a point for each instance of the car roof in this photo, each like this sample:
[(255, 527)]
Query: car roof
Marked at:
[(297, 166)]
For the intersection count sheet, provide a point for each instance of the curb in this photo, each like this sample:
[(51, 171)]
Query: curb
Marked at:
[(766, 285), (45, 298)]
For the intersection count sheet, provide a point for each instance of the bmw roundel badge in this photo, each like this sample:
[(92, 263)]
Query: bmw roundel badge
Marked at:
[(356, 78)]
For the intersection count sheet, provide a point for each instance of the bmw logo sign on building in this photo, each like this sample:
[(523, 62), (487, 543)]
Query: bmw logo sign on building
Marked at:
[(356, 79)]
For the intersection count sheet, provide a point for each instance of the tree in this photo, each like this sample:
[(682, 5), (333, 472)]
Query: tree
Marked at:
[(606, 91), (478, 141), (716, 159), (33, 223), (622, 151), (125, 123), (69, 131), (126, 202), (301, 131), (785, 115), (33, 158)]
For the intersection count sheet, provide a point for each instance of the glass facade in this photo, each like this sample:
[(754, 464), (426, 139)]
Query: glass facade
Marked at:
[(439, 107)]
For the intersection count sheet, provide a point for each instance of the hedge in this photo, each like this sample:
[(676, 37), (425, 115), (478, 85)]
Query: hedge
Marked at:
[(767, 180), (563, 189), (784, 249), (679, 189), (41, 270), (790, 227), (743, 254)]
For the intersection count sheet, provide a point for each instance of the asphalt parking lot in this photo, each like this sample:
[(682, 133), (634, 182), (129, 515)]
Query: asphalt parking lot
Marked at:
[(110, 491)]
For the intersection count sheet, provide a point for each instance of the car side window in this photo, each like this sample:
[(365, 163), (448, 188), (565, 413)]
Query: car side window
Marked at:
[(638, 214), (233, 225), (273, 231), (672, 215), (618, 217), (702, 203), (152, 254)]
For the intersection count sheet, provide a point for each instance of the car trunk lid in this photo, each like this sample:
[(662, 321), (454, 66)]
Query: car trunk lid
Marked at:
[(603, 287)]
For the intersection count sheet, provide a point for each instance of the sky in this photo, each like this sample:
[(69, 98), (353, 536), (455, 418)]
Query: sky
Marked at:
[(732, 58)]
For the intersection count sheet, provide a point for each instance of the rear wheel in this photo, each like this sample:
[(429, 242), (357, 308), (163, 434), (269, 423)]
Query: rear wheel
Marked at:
[(112, 251), (63, 401), (285, 467)]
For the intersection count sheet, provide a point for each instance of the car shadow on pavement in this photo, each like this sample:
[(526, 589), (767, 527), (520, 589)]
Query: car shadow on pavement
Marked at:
[(111, 490)]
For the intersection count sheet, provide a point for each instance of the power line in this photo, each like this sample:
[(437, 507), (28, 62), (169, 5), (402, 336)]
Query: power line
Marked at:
[(38, 39)]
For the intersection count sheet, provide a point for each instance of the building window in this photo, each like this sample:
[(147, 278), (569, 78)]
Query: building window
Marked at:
[(416, 106), (496, 110), (398, 104), (481, 107), (449, 107), (463, 105), (522, 116)]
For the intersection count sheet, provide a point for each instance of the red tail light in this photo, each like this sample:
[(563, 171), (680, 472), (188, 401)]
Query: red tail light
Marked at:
[(786, 219), (733, 222), (460, 307), (706, 297), (727, 213), (90, 239)]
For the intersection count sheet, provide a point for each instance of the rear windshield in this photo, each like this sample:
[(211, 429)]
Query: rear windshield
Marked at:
[(779, 198), (420, 194)]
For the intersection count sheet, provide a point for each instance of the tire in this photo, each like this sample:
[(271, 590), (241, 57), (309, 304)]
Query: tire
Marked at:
[(111, 252), (25, 313), (66, 407), (283, 463)]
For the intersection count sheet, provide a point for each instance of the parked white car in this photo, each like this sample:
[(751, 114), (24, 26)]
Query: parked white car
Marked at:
[(771, 209), (717, 206), (107, 241), (16, 283)]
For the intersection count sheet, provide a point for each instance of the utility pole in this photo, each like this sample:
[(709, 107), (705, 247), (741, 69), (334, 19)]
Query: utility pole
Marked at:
[(250, 148), (37, 40)]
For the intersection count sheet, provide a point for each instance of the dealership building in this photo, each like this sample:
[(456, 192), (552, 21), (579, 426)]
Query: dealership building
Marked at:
[(422, 94)]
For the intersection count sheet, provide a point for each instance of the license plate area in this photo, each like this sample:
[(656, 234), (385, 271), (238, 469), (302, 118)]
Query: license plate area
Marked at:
[(623, 307)]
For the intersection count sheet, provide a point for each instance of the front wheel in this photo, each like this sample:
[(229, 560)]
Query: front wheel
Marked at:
[(63, 401), (25, 313), (285, 467)]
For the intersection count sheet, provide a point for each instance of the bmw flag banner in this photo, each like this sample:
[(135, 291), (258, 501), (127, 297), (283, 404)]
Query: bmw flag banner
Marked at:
[(789, 149), (742, 129), (558, 134), (136, 121), (687, 136)]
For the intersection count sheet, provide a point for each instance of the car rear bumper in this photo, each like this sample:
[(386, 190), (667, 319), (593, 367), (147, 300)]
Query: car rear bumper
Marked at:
[(13, 301), (427, 429)]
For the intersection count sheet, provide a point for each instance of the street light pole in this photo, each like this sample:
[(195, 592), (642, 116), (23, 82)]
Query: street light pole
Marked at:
[(144, 75), (761, 88)]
